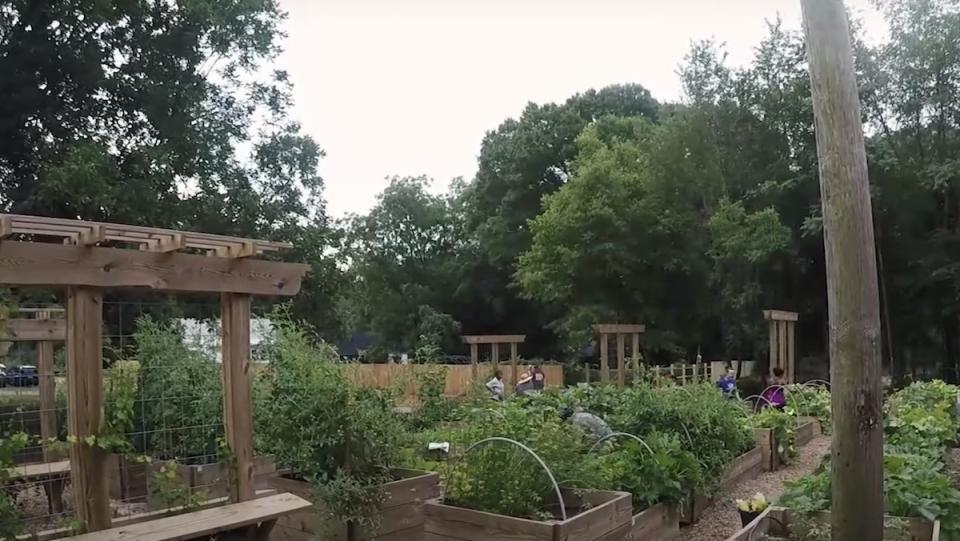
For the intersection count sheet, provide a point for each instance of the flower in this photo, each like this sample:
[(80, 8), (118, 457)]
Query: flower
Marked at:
[(753, 505)]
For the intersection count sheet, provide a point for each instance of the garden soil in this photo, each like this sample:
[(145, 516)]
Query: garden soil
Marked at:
[(721, 520)]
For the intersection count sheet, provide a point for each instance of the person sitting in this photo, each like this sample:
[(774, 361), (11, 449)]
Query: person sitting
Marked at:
[(594, 427), (728, 383), (495, 385), (525, 385), (539, 378), (775, 394)]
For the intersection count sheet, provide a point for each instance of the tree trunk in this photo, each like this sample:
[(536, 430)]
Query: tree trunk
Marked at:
[(851, 267)]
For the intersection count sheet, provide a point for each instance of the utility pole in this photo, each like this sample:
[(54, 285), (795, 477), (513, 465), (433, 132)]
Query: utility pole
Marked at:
[(851, 264)]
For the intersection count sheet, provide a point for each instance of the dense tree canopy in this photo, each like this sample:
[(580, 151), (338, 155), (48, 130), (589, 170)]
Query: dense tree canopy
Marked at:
[(689, 217)]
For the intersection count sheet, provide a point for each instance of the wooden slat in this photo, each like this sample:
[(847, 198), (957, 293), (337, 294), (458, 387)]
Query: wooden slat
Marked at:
[(48, 388), (598, 519), (780, 315), (33, 330), (41, 264), (206, 522), (604, 365), (614, 328), (474, 361), (514, 361), (621, 361), (6, 227), (791, 374), (443, 521), (237, 403), (494, 339), (45, 470), (782, 344), (88, 471), (495, 354), (635, 355), (662, 521), (773, 346)]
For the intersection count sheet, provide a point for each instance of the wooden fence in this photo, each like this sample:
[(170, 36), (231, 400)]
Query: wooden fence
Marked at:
[(459, 377)]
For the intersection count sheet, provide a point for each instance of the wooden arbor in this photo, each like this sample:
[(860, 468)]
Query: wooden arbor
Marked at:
[(87, 258), (494, 340), (783, 350), (620, 331)]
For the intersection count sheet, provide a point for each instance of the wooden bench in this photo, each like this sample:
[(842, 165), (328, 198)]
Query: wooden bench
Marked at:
[(246, 520), (53, 475)]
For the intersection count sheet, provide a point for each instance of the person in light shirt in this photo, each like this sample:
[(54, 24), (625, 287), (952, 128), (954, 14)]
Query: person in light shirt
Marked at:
[(495, 385)]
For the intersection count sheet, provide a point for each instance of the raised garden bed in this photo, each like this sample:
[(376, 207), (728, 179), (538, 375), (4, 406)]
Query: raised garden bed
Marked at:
[(129, 481), (658, 523), (744, 467), (600, 516), (807, 429), (777, 521), (401, 518)]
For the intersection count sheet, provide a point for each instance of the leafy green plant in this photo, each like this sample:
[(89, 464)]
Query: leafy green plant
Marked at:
[(119, 400), (11, 524), (341, 438), (784, 428), (183, 407), (810, 401), (167, 487)]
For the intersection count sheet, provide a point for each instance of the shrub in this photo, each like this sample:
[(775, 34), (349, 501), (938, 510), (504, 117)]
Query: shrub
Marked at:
[(341, 438), (809, 401), (183, 401), (784, 428)]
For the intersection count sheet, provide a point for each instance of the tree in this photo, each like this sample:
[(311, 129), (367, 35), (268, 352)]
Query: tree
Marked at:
[(852, 291), (403, 254), (158, 113)]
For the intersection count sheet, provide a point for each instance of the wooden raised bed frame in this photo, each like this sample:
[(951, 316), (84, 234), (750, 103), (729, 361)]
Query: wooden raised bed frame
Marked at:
[(609, 518), (774, 519), (744, 467), (658, 523), (400, 520)]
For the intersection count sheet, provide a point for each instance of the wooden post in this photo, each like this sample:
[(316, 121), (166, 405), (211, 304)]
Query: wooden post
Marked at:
[(791, 352), (474, 360), (851, 265), (604, 367), (635, 343), (621, 361), (514, 359), (773, 347), (495, 355), (88, 463), (237, 405), (656, 375), (782, 344), (48, 392)]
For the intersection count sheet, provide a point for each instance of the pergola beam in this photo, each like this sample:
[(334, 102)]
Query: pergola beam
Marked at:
[(495, 339), (60, 265), (33, 330)]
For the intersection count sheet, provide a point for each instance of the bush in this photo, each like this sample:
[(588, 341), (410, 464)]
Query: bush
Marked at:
[(784, 428), (342, 438), (809, 401), (182, 395)]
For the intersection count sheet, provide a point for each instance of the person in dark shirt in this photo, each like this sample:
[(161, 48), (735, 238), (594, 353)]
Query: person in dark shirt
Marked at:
[(728, 384)]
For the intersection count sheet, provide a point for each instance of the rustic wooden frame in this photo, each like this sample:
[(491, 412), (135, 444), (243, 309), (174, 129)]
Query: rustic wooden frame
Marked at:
[(78, 262), (604, 330), (494, 340), (783, 331)]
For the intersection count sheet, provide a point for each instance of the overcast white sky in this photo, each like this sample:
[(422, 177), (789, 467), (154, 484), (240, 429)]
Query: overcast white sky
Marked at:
[(410, 87)]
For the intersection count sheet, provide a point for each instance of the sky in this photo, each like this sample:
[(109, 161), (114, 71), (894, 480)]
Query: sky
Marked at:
[(410, 87)]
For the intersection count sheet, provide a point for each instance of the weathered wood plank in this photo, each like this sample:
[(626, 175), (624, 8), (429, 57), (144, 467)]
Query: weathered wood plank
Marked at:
[(615, 328), (237, 398), (621, 361), (42, 264), (600, 519), (443, 521), (494, 339), (658, 523), (88, 463), (33, 330), (780, 315), (604, 363), (206, 522)]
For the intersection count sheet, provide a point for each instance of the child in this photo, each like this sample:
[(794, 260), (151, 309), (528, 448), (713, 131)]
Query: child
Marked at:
[(775, 394), (495, 385), (728, 383)]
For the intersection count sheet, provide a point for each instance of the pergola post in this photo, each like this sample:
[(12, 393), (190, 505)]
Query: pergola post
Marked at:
[(88, 463), (237, 411), (782, 339), (494, 340), (635, 343), (620, 331)]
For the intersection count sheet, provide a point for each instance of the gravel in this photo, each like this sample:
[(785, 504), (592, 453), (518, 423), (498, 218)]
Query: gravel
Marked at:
[(722, 520)]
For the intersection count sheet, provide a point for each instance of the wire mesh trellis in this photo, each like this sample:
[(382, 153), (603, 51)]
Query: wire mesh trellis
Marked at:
[(163, 413)]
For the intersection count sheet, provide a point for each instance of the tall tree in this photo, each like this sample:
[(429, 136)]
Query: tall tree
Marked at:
[(852, 291)]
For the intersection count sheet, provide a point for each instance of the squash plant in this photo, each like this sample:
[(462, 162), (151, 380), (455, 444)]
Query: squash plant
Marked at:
[(341, 438), (809, 401), (11, 524)]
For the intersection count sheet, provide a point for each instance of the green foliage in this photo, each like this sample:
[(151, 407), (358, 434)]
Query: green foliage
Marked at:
[(341, 438), (666, 475), (921, 421), (433, 407), (120, 398), (183, 409), (810, 401), (168, 489), (784, 427), (11, 524)]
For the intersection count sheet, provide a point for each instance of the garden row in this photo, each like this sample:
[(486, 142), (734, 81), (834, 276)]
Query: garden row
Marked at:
[(511, 468), (921, 425)]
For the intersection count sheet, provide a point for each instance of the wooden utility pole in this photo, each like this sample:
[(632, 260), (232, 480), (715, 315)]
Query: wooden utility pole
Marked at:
[(851, 265)]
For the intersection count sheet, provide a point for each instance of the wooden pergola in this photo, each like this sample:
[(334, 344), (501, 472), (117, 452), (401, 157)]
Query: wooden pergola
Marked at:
[(87, 258), (783, 350), (494, 340), (604, 331)]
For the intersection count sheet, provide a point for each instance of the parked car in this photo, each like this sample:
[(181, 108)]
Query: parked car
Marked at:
[(22, 376)]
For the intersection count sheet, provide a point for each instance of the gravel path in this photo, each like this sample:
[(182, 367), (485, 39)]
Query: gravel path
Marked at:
[(721, 520)]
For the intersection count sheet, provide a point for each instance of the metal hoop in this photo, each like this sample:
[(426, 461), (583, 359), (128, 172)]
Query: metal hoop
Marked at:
[(556, 487), (815, 382), (615, 434), (769, 403)]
